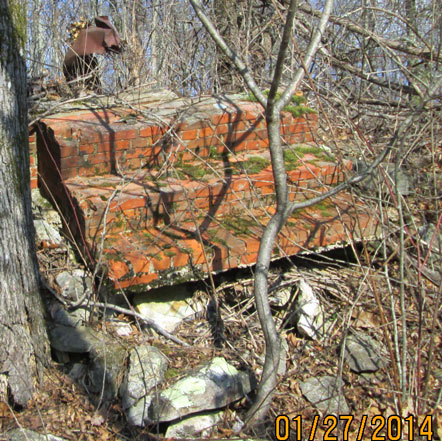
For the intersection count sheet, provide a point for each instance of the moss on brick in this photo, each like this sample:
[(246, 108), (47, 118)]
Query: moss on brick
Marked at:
[(297, 107), (294, 154), (255, 164)]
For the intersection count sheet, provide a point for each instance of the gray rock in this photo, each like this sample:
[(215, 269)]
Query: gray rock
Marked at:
[(308, 312), (45, 232), (30, 435), (199, 425), (68, 339), (74, 284), (108, 357), (168, 306), (211, 387), (75, 318), (78, 372), (281, 297), (362, 353), (106, 369), (147, 367), (323, 393)]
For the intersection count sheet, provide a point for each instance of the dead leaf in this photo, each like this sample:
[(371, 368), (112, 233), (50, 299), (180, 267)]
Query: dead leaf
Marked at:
[(97, 420), (366, 319)]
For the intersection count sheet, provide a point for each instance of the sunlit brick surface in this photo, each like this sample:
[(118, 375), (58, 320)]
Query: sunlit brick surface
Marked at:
[(186, 188)]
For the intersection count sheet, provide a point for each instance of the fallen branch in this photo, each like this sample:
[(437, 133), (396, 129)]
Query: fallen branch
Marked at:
[(146, 320)]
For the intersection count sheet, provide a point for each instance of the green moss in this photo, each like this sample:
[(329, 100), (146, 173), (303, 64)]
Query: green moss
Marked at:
[(172, 373), (19, 22), (325, 208), (213, 152), (297, 109), (194, 171), (255, 164), (147, 235), (237, 223), (293, 155)]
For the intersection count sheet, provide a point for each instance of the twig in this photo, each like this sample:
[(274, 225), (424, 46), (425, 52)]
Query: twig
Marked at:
[(146, 320)]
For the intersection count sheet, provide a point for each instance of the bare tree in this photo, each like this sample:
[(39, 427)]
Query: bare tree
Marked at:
[(273, 107), (24, 348)]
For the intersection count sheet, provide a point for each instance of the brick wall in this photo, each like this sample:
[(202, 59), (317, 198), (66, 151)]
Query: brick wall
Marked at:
[(94, 143), (33, 158)]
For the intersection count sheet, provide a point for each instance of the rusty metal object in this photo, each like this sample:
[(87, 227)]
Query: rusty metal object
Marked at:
[(80, 61)]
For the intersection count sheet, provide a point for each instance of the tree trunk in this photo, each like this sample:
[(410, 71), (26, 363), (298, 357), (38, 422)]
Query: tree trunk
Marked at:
[(24, 348), (37, 47)]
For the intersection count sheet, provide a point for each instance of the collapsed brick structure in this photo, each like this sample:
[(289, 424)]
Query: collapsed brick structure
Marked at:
[(183, 187)]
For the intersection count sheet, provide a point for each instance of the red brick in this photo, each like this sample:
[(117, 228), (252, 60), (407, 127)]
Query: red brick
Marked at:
[(196, 144), (195, 250), (189, 135), (134, 154), (133, 203), (188, 156), (98, 158), (252, 245), (222, 129), (308, 137), (296, 128), (237, 125), (117, 269), (126, 134), (34, 184), (72, 161), (161, 262), (286, 118), (103, 147), (267, 189), (261, 134), (133, 164), (87, 149), (89, 136), (140, 280), (67, 150), (158, 131), (180, 258), (152, 152), (254, 145), (140, 263), (139, 143), (122, 144), (240, 184), (99, 169), (222, 118), (206, 132), (249, 259), (69, 172), (146, 132)]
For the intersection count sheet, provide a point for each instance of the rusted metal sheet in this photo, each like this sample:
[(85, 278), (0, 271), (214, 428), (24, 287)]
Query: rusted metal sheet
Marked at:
[(80, 61)]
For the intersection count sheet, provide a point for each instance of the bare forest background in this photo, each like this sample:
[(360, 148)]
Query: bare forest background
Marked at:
[(376, 81)]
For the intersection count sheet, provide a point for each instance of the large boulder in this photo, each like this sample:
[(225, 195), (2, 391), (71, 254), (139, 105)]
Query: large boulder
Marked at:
[(213, 386), (147, 367)]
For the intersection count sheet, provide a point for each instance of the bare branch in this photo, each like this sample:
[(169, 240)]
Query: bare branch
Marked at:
[(233, 56), (311, 51), (425, 54)]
